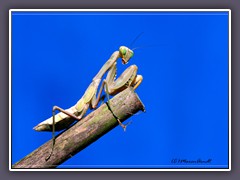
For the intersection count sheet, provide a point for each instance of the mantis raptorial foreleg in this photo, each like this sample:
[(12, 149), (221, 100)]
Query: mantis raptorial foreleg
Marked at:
[(91, 97)]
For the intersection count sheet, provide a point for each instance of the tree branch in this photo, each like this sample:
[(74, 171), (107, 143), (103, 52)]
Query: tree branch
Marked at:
[(85, 132)]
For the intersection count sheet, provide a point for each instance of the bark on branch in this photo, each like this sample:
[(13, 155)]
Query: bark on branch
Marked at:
[(85, 132)]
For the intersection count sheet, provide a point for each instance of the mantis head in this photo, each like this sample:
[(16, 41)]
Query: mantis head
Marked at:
[(125, 54)]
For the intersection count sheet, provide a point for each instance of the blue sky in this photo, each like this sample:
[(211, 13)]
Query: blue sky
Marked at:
[(182, 56)]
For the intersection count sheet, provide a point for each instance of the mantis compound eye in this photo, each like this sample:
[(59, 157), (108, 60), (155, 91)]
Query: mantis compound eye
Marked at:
[(125, 54), (123, 50)]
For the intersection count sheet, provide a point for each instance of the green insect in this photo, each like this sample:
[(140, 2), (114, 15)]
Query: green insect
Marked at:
[(91, 97)]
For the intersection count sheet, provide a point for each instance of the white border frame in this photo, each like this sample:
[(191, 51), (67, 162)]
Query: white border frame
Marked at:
[(117, 10)]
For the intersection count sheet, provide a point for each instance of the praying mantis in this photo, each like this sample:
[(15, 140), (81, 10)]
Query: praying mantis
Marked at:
[(92, 97)]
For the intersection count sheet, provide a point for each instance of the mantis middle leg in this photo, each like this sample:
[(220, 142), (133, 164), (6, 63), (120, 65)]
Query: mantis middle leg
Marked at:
[(128, 78)]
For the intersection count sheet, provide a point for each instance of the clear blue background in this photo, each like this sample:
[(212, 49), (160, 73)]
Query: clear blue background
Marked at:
[(183, 59)]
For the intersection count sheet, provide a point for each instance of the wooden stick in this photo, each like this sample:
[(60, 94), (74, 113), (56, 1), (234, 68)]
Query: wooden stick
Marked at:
[(85, 132)]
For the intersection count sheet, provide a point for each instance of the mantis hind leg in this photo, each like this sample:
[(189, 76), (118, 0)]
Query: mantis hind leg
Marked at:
[(53, 124)]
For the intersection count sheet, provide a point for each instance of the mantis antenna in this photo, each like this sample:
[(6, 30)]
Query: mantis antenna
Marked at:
[(136, 38)]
